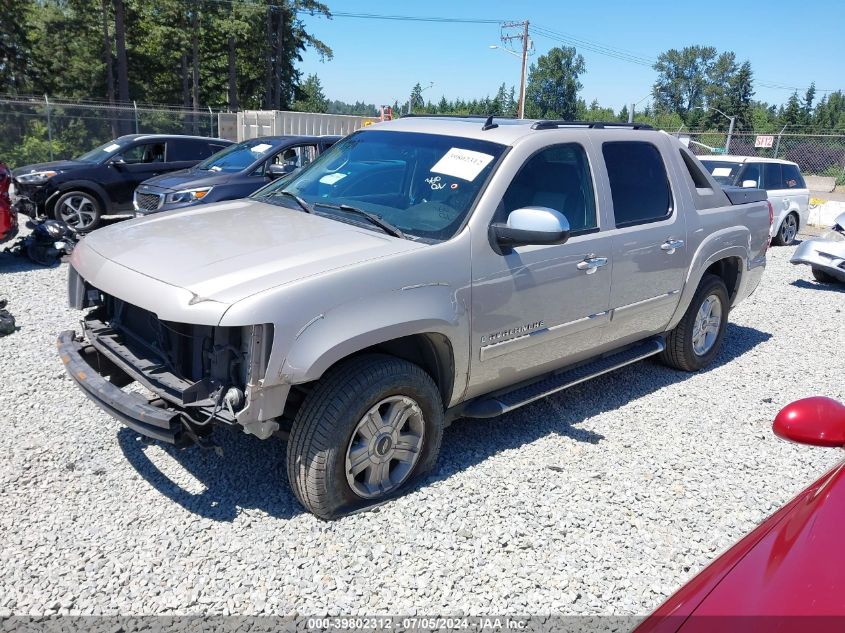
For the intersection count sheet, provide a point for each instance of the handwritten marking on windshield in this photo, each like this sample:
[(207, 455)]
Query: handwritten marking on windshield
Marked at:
[(435, 183)]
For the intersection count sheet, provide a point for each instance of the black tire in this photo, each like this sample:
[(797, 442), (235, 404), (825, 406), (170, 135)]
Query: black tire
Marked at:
[(680, 351), (325, 426), (80, 210), (788, 231), (822, 277)]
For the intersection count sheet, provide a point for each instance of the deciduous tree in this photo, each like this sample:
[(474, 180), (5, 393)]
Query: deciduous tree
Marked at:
[(553, 85)]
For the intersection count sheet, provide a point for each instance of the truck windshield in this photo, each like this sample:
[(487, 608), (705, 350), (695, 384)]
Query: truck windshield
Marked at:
[(238, 157), (422, 184), (723, 172)]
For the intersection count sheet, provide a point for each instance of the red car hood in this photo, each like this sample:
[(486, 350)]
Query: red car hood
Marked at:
[(792, 564)]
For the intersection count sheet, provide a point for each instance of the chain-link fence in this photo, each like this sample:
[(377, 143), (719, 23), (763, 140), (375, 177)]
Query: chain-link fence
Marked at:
[(816, 154), (39, 129)]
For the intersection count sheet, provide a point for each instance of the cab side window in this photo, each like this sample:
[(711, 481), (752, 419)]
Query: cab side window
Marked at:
[(559, 178), (753, 172), (294, 158), (639, 185), (144, 153)]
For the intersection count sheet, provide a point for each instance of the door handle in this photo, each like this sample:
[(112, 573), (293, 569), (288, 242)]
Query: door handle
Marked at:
[(670, 246), (591, 264)]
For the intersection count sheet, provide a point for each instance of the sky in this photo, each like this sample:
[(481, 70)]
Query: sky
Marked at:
[(378, 61)]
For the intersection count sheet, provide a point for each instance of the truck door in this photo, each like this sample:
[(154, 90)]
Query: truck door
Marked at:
[(541, 307), (650, 255)]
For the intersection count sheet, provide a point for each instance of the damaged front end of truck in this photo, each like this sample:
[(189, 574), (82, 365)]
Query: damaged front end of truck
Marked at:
[(169, 381)]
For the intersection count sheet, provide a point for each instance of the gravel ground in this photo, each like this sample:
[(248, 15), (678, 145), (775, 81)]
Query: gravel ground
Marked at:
[(600, 501)]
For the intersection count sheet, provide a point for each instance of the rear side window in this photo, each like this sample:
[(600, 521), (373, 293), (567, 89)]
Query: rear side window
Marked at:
[(772, 176), (639, 185), (792, 177), (185, 149)]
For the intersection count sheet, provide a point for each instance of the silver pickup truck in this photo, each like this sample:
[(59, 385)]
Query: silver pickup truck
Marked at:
[(419, 271)]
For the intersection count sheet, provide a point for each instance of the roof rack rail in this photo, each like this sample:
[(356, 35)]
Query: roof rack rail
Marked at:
[(551, 124), (454, 116)]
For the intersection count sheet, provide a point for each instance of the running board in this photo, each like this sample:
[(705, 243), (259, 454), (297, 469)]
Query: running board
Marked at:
[(491, 406)]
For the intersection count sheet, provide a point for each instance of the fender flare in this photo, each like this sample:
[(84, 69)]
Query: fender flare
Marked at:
[(338, 334), (700, 263)]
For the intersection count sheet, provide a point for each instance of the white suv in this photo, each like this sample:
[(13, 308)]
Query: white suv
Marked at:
[(782, 180)]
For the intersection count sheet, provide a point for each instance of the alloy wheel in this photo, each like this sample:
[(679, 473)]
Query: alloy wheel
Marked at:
[(789, 229), (385, 446), (708, 320), (78, 211)]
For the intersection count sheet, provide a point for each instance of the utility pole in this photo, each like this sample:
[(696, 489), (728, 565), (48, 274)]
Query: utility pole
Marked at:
[(730, 135), (526, 45)]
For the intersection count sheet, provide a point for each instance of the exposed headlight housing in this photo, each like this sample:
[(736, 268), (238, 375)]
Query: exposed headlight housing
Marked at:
[(36, 177), (188, 195)]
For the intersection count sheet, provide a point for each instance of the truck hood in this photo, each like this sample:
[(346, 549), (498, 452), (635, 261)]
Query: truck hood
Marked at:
[(231, 250), (185, 178)]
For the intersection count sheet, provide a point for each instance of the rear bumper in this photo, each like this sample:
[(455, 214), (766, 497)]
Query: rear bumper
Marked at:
[(133, 410)]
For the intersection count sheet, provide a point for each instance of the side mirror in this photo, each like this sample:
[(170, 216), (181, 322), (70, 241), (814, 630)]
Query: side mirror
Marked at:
[(749, 184), (277, 171), (817, 421), (530, 225), (117, 161)]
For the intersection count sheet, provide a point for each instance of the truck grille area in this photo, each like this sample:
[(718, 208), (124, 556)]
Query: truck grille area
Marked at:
[(188, 365)]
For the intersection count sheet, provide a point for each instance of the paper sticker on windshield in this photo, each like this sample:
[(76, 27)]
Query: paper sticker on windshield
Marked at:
[(330, 179), (112, 147), (722, 171), (462, 163), (260, 148)]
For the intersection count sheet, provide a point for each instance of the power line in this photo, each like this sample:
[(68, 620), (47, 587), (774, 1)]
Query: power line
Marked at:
[(406, 18), (595, 47), (566, 38), (634, 58)]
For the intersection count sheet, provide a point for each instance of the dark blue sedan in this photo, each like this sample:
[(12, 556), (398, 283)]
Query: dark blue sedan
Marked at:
[(232, 173)]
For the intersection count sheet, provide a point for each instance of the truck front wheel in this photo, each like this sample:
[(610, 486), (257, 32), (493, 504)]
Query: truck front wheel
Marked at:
[(371, 426), (695, 341)]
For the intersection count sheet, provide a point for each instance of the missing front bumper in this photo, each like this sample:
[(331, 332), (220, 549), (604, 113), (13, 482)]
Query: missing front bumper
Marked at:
[(153, 421)]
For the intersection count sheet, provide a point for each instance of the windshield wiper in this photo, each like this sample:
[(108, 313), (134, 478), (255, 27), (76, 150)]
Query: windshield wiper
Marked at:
[(303, 205), (384, 225)]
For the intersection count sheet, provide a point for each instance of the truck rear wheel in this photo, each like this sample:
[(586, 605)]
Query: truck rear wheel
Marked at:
[(696, 340), (371, 426)]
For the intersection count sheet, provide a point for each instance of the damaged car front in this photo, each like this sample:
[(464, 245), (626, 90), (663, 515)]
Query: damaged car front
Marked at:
[(177, 303), (192, 372)]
